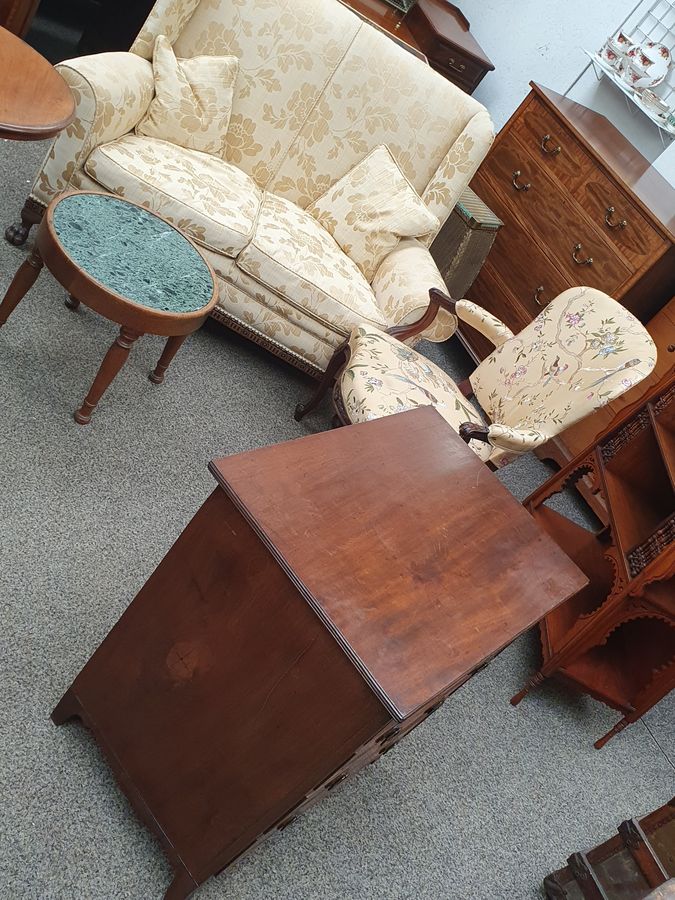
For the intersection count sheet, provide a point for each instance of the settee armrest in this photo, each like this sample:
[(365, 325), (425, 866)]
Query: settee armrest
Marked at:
[(112, 92), (401, 286), (488, 325)]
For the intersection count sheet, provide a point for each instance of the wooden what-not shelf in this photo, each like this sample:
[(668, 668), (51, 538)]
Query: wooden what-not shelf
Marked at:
[(615, 640)]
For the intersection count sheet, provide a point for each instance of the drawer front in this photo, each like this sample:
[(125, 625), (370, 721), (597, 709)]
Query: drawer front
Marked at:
[(613, 212), (450, 59), (579, 249), (553, 146), (525, 269)]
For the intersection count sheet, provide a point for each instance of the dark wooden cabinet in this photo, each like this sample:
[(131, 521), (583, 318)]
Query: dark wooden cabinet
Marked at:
[(616, 639), (437, 30), (326, 599), (580, 206)]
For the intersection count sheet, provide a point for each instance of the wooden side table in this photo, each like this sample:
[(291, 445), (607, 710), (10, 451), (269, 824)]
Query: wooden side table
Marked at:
[(326, 598), (35, 101), (129, 265), (616, 639)]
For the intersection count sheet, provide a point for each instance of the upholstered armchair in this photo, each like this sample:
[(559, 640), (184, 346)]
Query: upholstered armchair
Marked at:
[(580, 353), (317, 90)]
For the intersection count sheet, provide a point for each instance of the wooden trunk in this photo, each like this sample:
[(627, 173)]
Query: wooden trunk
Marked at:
[(322, 603)]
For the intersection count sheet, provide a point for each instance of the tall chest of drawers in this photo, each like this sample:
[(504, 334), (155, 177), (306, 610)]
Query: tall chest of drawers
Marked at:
[(580, 206)]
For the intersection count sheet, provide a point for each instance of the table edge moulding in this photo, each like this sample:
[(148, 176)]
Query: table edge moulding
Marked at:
[(557, 173), (277, 649), (42, 102)]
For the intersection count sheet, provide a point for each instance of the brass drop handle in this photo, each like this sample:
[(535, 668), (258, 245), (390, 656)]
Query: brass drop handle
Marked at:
[(608, 219), (581, 262), (553, 151), (539, 290), (519, 187), (461, 67)]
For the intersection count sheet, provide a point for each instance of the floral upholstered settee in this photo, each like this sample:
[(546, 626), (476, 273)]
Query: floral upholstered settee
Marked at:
[(317, 89)]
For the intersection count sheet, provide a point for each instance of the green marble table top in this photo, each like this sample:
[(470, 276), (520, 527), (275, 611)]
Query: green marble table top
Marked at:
[(132, 252)]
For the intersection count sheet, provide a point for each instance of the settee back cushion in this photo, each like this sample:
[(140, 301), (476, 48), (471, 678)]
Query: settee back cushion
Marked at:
[(288, 51), (318, 89)]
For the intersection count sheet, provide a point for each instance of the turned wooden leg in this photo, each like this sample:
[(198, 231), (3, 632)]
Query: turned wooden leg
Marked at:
[(72, 302), (600, 743), (112, 363), (171, 347), (67, 708), (31, 214), (536, 679), (335, 364), (181, 887), (21, 283)]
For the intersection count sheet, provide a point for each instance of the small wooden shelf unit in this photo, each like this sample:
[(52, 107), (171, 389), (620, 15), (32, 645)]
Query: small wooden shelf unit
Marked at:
[(615, 640)]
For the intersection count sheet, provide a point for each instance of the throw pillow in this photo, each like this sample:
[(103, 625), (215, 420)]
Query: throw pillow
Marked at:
[(193, 99), (371, 208)]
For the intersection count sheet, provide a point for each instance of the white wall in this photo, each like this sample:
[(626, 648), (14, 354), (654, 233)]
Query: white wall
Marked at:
[(542, 40)]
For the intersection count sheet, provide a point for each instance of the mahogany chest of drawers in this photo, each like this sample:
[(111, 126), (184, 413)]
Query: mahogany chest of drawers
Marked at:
[(580, 206)]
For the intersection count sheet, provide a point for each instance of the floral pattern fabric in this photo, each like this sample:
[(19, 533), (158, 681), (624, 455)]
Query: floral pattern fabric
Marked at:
[(291, 254), (484, 322), (193, 99), (317, 90), (370, 209), (580, 353), (215, 203), (384, 377), (287, 51), (401, 287), (258, 308), (378, 94), (112, 92)]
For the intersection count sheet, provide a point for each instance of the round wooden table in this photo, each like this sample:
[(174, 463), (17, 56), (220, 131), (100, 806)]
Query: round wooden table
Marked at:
[(35, 101), (129, 265)]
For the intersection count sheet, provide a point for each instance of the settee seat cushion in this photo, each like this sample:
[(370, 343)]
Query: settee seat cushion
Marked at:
[(212, 201), (292, 255), (384, 377)]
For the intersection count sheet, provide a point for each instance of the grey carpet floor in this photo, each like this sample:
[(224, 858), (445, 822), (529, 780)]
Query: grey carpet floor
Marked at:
[(480, 802)]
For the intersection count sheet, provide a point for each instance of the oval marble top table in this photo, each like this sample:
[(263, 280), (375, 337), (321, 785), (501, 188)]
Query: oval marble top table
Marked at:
[(127, 264), (35, 101)]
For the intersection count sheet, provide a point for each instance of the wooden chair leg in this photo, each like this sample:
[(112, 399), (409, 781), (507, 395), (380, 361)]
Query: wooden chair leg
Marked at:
[(333, 369), (465, 388), (21, 283)]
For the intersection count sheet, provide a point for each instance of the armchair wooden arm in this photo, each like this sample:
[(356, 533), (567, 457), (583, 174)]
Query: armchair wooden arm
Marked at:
[(469, 431), (437, 299)]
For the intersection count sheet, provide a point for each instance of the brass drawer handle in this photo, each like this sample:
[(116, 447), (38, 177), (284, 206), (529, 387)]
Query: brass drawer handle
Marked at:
[(554, 150), (519, 187), (539, 290), (453, 65), (608, 219), (581, 262)]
